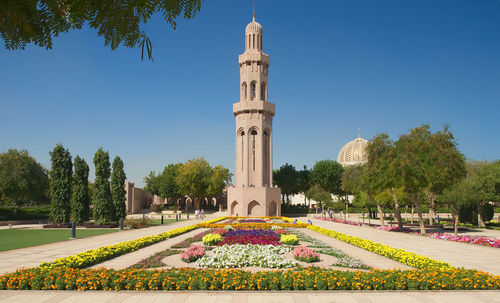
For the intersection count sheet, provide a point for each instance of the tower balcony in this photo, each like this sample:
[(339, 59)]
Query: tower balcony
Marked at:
[(257, 106), (251, 56)]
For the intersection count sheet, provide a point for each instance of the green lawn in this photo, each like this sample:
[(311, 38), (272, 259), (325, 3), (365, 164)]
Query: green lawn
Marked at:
[(19, 238)]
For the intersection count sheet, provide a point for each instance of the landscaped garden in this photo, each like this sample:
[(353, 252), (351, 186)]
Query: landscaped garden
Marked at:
[(247, 254)]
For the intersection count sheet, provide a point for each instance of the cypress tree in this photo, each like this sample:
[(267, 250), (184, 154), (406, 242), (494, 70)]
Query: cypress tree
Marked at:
[(60, 184), (117, 188), (102, 201), (80, 199)]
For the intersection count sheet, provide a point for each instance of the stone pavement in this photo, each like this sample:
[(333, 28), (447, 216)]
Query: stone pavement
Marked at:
[(33, 256), (457, 254), (252, 297)]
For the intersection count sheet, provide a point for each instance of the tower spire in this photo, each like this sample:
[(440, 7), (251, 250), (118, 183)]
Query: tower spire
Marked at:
[(253, 15), (358, 133)]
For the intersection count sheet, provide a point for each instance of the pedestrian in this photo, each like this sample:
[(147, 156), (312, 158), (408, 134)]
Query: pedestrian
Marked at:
[(202, 213), (196, 214)]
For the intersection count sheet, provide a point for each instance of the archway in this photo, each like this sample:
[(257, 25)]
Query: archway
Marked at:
[(273, 209), (253, 208), (235, 209)]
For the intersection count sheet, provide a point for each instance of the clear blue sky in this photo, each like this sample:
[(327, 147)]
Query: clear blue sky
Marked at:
[(382, 65)]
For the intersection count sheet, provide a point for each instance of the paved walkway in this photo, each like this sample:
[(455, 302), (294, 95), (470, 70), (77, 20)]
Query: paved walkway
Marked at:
[(252, 297), (457, 254), (491, 233), (33, 256)]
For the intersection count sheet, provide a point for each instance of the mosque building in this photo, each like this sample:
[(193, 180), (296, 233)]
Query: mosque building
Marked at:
[(353, 153)]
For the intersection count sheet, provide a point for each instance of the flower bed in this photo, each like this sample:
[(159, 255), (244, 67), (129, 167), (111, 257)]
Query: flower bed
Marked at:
[(305, 254), (211, 239), (253, 236), (343, 259), (253, 221), (491, 242), (155, 260), (233, 256), (234, 279), (289, 239), (193, 253), (249, 239), (400, 255), (255, 225)]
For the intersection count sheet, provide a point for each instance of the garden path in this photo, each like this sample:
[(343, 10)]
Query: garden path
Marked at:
[(129, 259), (250, 296), (33, 256), (457, 254)]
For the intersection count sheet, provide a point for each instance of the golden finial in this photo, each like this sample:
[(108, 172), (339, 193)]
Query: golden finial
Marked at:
[(253, 12), (358, 133)]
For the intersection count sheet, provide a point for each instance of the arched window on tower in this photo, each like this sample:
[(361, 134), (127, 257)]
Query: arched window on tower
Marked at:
[(242, 148), (263, 91), (252, 90), (244, 90), (266, 151), (254, 134)]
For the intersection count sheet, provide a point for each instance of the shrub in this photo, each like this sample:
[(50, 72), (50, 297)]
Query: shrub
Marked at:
[(305, 254), (193, 253), (212, 239), (138, 223), (289, 239)]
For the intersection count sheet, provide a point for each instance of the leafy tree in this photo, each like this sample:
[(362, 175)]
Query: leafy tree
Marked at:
[(381, 177), (153, 183), (118, 178), (457, 196), (413, 164), (319, 194), (219, 179), (327, 174), (22, 179), (80, 199), (447, 167), (168, 187), (119, 22), (287, 178), (60, 184), (304, 181), (193, 178), (484, 181), (102, 199)]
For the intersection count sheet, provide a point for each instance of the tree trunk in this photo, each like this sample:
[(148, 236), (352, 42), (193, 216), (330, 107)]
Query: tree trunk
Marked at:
[(379, 209), (480, 221), (419, 212), (454, 210), (381, 215), (397, 212), (412, 213), (432, 205)]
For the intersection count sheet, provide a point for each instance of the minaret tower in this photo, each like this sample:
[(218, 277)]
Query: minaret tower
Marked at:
[(254, 194)]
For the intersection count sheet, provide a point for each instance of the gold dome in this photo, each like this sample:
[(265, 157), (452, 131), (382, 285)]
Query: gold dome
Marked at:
[(353, 153)]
